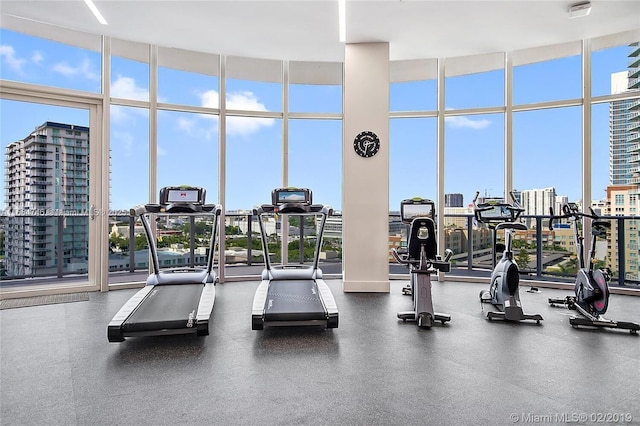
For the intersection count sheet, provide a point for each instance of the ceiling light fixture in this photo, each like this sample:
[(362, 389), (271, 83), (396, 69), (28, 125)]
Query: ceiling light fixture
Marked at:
[(342, 20), (579, 9), (95, 12)]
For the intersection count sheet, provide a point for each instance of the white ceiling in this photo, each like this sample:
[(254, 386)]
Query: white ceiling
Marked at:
[(308, 30)]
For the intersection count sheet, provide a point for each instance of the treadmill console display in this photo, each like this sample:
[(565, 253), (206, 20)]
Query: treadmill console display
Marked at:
[(416, 207), (170, 195), (291, 195)]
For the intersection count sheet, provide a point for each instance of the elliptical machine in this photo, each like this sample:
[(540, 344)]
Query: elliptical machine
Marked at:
[(421, 258), (591, 288), (503, 291)]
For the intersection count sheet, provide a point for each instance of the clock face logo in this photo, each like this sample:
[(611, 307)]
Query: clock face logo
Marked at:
[(366, 144)]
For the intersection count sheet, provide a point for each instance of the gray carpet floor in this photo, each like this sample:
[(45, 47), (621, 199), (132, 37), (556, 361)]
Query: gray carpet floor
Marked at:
[(57, 367)]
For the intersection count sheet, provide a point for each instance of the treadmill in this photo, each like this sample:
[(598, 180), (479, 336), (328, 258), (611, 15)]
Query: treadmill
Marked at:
[(178, 300), (293, 294)]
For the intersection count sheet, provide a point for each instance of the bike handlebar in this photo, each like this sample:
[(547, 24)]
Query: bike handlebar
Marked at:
[(568, 213)]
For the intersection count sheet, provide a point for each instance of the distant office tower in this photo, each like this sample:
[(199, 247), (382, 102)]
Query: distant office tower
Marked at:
[(46, 174), (633, 120), (560, 201), (536, 202), (620, 142), (453, 200)]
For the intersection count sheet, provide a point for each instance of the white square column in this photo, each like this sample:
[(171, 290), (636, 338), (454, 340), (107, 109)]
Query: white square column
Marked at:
[(365, 190)]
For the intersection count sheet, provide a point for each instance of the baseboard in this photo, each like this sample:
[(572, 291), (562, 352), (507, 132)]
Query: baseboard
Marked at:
[(366, 286)]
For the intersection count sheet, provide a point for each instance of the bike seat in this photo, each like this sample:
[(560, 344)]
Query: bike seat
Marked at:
[(512, 225)]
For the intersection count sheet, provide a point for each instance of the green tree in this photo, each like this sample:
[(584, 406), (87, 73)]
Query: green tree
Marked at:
[(141, 242), (523, 258), (232, 230), (118, 242)]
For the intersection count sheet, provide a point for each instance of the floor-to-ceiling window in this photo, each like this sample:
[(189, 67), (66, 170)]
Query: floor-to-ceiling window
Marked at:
[(47, 112), (163, 107)]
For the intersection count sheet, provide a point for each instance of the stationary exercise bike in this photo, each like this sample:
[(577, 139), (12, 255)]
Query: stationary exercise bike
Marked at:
[(503, 292), (591, 297), (421, 258)]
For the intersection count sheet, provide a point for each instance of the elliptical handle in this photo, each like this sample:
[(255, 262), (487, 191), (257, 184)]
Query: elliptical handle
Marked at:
[(566, 210), (403, 260), (551, 219)]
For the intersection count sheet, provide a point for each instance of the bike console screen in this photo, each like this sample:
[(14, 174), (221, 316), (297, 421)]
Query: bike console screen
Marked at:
[(416, 207), (495, 213)]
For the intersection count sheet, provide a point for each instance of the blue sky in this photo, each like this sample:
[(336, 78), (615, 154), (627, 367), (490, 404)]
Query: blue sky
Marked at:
[(546, 143)]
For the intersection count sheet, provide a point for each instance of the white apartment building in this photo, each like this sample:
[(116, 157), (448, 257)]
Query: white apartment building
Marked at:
[(46, 174), (536, 202)]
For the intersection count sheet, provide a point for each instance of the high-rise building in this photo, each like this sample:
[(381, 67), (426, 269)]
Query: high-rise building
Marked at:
[(536, 202), (633, 119), (620, 168), (46, 177), (453, 200)]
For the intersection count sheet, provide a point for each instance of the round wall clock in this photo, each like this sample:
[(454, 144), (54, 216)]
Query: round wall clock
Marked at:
[(366, 144)]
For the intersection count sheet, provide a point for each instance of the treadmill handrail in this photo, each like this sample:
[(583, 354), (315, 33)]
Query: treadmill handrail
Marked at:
[(143, 211), (293, 208), (313, 209)]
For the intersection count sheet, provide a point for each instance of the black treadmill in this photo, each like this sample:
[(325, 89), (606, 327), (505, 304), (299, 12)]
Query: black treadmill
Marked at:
[(178, 300), (293, 294)]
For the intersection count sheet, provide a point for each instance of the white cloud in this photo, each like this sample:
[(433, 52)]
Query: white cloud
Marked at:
[(83, 69), (8, 54), (37, 57), (125, 88), (245, 101), (465, 122)]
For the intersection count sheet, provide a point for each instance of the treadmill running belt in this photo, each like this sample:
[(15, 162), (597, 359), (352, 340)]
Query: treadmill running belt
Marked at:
[(293, 300), (166, 307)]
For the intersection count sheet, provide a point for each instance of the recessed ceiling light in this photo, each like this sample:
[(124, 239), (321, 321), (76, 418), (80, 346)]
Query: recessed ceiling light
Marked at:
[(95, 12), (579, 9)]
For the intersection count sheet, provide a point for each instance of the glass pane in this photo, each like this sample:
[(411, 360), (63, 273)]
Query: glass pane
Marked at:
[(187, 88), (188, 151), (320, 140), (413, 96), (553, 80), (45, 193), (29, 59), (317, 143), (129, 180), (129, 79), (547, 169), (253, 95), (620, 60), (475, 90), (412, 173), (482, 135), (412, 159), (254, 169), (315, 98), (611, 162)]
